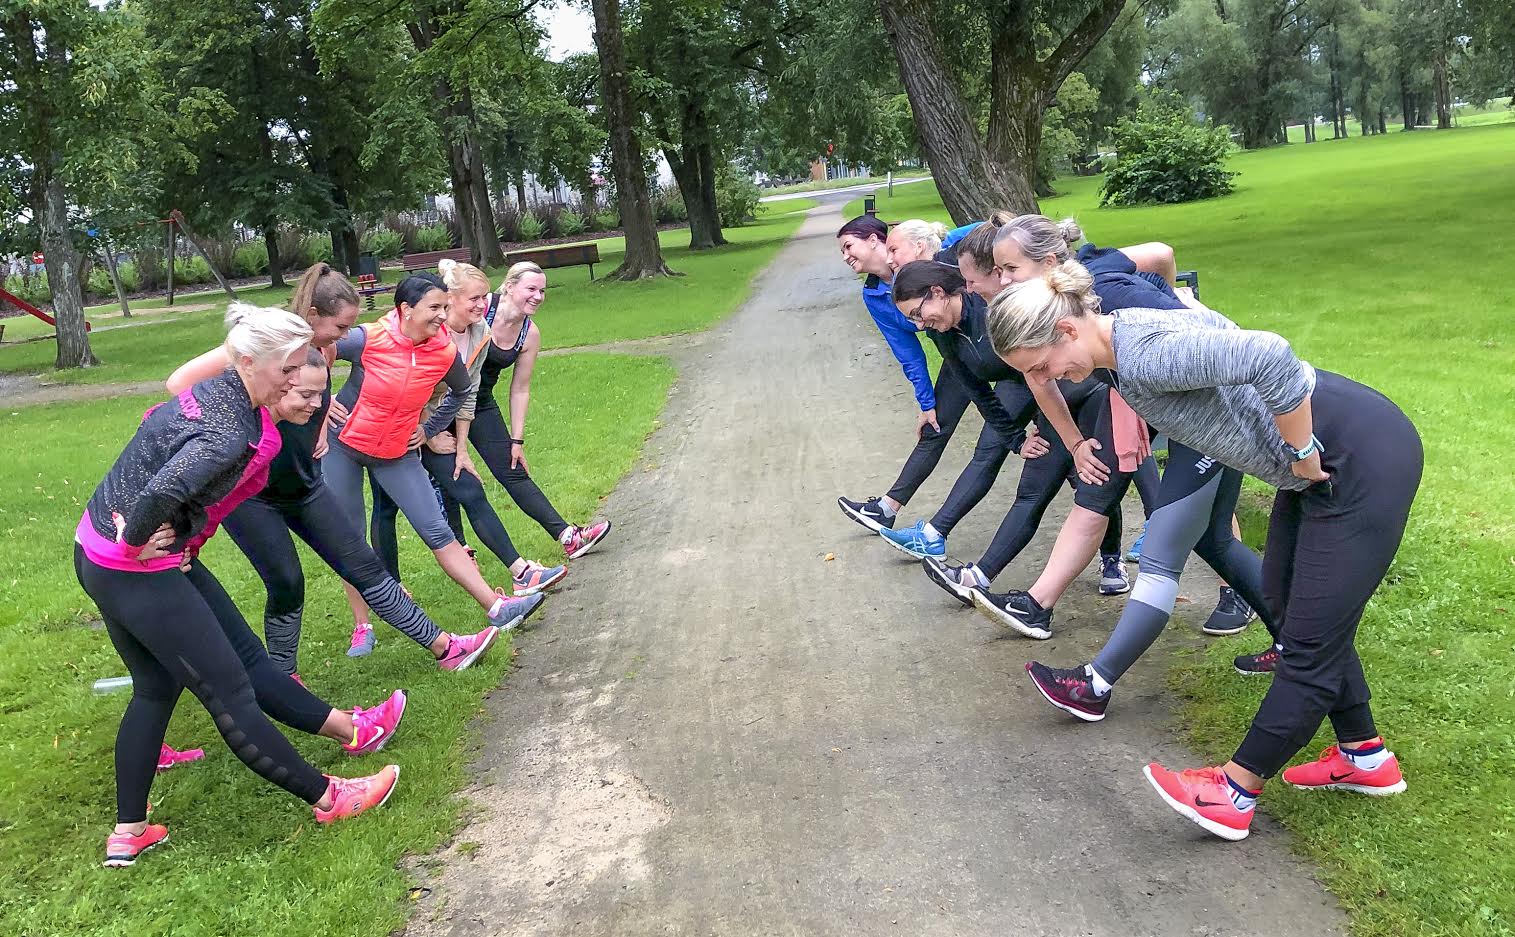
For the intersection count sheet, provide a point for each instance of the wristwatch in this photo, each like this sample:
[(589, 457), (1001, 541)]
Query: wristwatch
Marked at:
[(1298, 455)]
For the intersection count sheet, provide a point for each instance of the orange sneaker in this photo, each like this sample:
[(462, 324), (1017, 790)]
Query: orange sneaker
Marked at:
[(1204, 796), (1334, 771), (122, 849), (352, 796)]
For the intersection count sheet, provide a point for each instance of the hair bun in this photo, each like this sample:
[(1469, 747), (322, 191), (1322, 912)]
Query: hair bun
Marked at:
[(1070, 231), (445, 265), (938, 230), (1070, 276), (239, 312)]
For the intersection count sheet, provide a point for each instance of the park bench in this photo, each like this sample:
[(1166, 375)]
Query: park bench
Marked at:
[(430, 259), (369, 287), (559, 255)]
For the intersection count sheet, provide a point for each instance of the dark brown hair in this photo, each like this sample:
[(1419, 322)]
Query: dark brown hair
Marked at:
[(324, 289)]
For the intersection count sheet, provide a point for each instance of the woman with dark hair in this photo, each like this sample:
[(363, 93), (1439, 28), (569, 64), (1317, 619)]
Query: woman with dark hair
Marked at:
[(197, 454), (1347, 464), (396, 363), (298, 501)]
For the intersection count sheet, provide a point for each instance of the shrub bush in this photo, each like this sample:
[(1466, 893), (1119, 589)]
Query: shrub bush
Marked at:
[(383, 243), (606, 221), (314, 248), (190, 271), (1164, 155), (507, 223), (571, 223), (434, 238), (668, 206), (127, 271), (32, 289), (151, 274), (222, 253), (249, 259), (736, 197), (532, 228), (99, 282)]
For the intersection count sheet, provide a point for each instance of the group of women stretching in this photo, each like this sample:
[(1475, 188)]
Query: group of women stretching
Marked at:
[(252, 440), (1077, 361)]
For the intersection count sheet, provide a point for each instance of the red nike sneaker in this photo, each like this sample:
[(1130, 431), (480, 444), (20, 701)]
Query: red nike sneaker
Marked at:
[(1204, 796), (1334, 771)]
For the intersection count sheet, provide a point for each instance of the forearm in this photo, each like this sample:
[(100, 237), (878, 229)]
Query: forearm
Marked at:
[(192, 372), (520, 398), (1296, 426), (1055, 409), (460, 432)]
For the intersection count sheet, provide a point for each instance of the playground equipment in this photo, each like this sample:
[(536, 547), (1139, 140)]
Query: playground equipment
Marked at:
[(27, 307)]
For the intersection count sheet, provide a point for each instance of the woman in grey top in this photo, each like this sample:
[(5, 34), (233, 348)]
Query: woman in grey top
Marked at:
[(1346, 462)]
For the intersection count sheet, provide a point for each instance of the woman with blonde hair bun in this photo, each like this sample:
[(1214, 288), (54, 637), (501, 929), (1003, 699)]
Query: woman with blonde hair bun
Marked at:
[(1346, 463)]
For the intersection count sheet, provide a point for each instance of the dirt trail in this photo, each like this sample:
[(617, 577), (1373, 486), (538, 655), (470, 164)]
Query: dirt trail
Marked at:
[(722, 732)]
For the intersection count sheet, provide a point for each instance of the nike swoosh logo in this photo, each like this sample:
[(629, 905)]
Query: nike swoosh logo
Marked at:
[(1199, 802), (379, 730), (1340, 777)]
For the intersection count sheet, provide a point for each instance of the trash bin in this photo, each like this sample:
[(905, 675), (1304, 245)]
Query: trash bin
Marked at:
[(868, 205), (368, 264)]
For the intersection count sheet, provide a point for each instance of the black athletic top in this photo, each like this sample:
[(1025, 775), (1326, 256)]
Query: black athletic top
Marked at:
[(496, 360), (295, 471), (969, 356)]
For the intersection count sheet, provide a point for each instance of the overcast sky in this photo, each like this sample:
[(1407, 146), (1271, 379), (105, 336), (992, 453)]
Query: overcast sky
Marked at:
[(570, 29)]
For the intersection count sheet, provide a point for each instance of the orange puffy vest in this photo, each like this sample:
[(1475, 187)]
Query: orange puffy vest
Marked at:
[(398, 377)]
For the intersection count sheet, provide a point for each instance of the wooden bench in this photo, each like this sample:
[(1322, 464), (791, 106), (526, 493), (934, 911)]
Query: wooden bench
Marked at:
[(559, 255), (369, 287), (430, 259)]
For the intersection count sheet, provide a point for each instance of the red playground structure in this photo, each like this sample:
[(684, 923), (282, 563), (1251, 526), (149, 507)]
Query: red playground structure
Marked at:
[(25, 306)]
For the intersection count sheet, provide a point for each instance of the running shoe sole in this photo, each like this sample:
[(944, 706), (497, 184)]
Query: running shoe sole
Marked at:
[(1076, 713), (590, 545), (1000, 617), (906, 550), (1227, 630), (468, 659), (1114, 587), (121, 862), (533, 590), (955, 589), (1395, 788), (1184, 810), (863, 519)]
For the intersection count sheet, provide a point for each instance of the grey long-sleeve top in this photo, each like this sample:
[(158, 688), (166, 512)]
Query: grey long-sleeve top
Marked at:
[(1213, 386)]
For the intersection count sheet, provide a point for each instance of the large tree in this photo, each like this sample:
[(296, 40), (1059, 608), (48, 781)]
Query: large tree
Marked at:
[(644, 255), (1031, 49)]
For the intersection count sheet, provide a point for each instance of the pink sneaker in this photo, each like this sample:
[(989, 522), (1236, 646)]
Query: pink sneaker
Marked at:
[(375, 726), (122, 849), (1333, 771), (352, 796), (167, 757), (463, 650), (362, 640), (580, 540), (1203, 795)]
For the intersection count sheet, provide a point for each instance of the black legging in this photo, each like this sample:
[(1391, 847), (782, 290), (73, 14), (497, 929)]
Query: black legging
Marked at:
[(262, 530), (492, 440), (465, 490), (1328, 550), (167, 634)]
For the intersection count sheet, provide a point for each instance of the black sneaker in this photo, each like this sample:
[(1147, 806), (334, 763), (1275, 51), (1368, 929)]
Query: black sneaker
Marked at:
[(1112, 575), (960, 582), (869, 513), (1256, 665), (1072, 691), (1016, 610), (1230, 616)]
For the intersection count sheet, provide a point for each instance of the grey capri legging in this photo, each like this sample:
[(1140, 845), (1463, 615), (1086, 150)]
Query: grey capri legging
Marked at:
[(403, 479)]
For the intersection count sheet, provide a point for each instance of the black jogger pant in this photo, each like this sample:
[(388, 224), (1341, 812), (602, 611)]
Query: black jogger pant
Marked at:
[(492, 441), (1328, 550), (169, 639)]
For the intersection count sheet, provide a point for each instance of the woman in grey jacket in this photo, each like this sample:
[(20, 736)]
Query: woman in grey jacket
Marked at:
[(1347, 463)]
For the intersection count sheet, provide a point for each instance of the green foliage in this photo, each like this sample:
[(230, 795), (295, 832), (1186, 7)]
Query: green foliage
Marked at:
[(532, 228), (668, 206), (571, 223), (736, 196), (249, 259), (192, 270), (383, 243), (32, 288), (127, 271), (1164, 155), (606, 221), (434, 238), (99, 282)]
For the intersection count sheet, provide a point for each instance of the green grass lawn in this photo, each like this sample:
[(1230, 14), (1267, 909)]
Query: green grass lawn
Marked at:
[(578, 312), (245, 857), (1386, 259)]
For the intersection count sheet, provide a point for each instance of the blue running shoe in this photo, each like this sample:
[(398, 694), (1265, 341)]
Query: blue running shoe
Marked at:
[(1134, 554), (916, 541)]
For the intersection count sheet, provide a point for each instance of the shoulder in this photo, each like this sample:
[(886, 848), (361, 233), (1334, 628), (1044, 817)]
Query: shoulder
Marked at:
[(1104, 259)]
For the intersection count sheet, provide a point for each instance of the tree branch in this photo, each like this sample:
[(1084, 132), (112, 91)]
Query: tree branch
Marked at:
[(1065, 58)]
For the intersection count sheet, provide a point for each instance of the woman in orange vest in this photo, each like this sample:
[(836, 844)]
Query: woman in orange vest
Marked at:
[(396, 362)]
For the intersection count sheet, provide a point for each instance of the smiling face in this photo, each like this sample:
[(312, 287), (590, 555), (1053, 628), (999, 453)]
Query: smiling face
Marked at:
[(269, 379), (901, 250), (330, 328), (467, 303), (936, 310), (1014, 266), (1071, 358), (984, 283), (426, 317), (865, 255), (301, 401), (528, 293)]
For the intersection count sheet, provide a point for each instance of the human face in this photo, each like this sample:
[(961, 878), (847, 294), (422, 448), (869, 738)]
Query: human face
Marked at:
[(528, 293), (301, 401), (268, 380), (467, 303), (900, 250), (1071, 358), (985, 284), (330, 328), (426, 318), (936, 310), (865, 255), (1015, 267)]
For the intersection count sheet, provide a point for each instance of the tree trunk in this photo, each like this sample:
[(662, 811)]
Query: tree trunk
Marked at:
[(485, 232), (521, 191), (1406, 100), (275, 262), (62, 264), (1442, 87), (644, 256), (115, 278), (705, 157), (1383, 121), (685, 167)]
